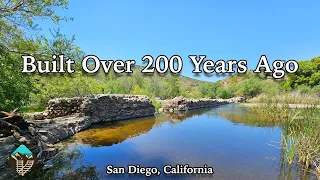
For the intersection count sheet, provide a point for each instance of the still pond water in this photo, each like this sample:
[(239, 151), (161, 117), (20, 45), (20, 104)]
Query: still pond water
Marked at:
[(229, 138)]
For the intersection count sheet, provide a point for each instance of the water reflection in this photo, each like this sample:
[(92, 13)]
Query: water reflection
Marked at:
[(180, 116), (229, 139), (240, 114), (118, 132)]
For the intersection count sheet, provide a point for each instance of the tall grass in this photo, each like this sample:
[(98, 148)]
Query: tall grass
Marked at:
[(288, 98), (301, 143), (301, 127)]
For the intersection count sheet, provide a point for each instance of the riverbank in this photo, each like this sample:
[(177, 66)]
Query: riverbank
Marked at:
[(300, 142), (299, 106), (65, 117)]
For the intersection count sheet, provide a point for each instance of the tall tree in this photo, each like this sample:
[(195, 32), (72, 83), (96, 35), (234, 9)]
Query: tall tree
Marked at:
[(19, 35)]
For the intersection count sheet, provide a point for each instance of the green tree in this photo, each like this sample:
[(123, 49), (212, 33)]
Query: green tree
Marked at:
[(308, 74), (16, 17), (251, 87), (15, 87), (170, 87), (224, 93), (174, 86), (54, 85), (209, 90)]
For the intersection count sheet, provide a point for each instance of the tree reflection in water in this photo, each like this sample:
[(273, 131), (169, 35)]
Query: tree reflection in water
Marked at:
[(240, 115)]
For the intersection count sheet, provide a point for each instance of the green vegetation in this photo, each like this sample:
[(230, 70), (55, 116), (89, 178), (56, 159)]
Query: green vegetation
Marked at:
[(32, 109), (293, 103), (224, 93), (301, 135), (15, 88), (17, 18), (308, 74), (288, 98), (19, 34), (157, 105), (301, 140)]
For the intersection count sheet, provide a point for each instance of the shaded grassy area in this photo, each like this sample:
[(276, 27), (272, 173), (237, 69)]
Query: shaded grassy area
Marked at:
[(32, 109)]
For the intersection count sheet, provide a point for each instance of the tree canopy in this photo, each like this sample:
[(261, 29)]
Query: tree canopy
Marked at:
[(18, 36), (308, 74)]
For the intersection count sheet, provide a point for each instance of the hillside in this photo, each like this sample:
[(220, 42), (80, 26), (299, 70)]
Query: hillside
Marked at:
[(80, 84), (166, 86), (302, 86)]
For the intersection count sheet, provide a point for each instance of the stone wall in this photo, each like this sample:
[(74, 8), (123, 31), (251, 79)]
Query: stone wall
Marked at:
[(66, 116), (117, 107), (61, 107), (99, 107), (183, 104)]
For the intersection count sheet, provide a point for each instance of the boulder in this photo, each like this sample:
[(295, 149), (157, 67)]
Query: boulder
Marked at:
[(7, 147)]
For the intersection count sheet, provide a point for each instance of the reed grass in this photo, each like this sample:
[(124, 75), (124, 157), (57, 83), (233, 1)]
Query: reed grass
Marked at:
[(301, 127), (301, 144), (288, 98)]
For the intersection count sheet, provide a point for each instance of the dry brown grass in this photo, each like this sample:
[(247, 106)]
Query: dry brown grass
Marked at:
[(288, 98)]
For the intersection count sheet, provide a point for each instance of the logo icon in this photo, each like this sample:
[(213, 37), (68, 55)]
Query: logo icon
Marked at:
[(22, 160)]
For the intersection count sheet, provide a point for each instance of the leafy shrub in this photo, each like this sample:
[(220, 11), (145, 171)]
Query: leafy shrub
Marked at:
[(316, 90), (251, 87), (303, 89), (209, 90), (156, 105), (270, 87), (224, 93)]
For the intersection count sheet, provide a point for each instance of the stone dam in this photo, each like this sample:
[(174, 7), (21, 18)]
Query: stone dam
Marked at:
[(66, 116)]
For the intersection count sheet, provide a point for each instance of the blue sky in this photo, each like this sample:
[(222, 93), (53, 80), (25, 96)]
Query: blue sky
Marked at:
[(228, 29)]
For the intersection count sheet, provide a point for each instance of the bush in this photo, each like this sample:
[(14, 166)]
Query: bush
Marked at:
[(316, 90), (251, 87), (156, 105), (224, 93), (270, 87), (209, 90), (303, 89)]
